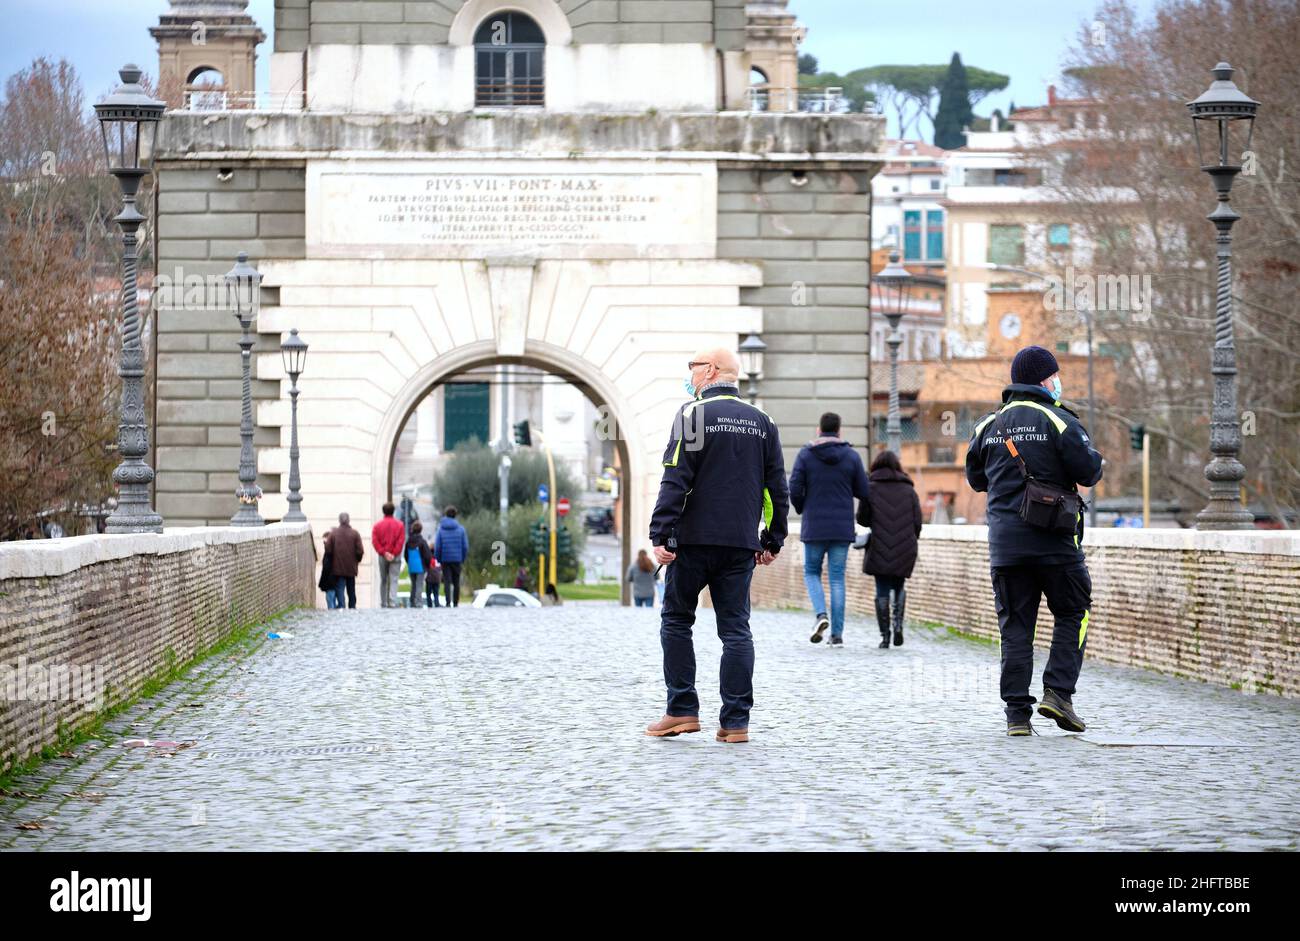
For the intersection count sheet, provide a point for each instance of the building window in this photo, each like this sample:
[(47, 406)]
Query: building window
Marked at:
[(934, 235), (909, 429), (1007, 244), (912, 235), (1114, 239), (509, 65), (923, 242), (935, 184), (1058, 236), (942, 454)]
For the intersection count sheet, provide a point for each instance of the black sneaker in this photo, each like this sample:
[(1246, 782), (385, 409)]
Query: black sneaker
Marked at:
[(1058, 708), (1020, 727), (884, 641), (823, 623), (837, 641)]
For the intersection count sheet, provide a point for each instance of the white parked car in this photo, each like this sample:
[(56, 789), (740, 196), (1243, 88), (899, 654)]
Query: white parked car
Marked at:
[(494, 596)]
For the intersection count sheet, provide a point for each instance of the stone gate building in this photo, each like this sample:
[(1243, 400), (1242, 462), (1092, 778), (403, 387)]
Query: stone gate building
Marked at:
[(428, 187)]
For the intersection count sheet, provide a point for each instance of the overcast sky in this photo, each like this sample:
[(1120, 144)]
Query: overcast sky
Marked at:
[(1025, 39)]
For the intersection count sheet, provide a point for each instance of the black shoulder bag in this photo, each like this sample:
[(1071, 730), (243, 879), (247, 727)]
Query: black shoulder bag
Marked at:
[(1045, 506)]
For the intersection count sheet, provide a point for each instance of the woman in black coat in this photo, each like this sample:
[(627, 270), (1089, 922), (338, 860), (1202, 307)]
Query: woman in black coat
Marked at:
[(893, 512)]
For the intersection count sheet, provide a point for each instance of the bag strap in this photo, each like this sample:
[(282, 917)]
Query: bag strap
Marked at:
[(1011, 445)]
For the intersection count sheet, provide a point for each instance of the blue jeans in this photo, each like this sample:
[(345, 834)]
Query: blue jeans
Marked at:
[(646, 602), (331, 599), (836, 554), (345, 591)]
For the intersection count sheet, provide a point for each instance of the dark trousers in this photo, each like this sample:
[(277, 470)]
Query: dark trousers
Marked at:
[(431, 591), (348, 583), (726, 571), (1017, 590), (451, 583), (887, 583)]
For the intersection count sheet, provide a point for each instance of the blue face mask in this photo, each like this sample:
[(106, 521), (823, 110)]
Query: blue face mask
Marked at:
[(690, 389), (1056, 388)]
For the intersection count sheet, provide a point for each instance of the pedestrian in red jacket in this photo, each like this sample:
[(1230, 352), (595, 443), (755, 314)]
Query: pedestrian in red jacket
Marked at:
[(388, 536)]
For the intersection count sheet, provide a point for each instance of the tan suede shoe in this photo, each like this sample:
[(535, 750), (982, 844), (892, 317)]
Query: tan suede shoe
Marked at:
[(733, 735), (674, 725)]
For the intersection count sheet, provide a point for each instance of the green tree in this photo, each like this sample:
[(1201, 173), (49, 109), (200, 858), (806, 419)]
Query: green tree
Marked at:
[(468, 480), (492, 559), (955, 113), (910, 91), (807, 64)]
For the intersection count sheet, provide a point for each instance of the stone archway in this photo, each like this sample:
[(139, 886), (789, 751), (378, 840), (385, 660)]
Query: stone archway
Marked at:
[(384, 331), (597, 389)]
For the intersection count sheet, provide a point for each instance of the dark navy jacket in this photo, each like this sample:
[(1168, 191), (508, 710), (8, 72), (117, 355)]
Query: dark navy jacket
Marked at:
[(1056, 450), (827, 475), (724, 476)]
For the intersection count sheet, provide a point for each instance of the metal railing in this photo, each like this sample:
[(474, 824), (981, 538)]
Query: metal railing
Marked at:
[(519, 93), (207, 99), (822, 100)]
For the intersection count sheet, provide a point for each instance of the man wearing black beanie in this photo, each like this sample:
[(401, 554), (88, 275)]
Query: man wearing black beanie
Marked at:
[(1030, 456)]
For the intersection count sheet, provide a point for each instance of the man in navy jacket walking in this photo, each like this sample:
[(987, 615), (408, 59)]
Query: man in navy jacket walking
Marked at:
[(827, 475), (1032, 433), (721, 511)]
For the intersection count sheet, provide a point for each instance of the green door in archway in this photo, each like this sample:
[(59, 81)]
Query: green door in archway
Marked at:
[(465, 413)]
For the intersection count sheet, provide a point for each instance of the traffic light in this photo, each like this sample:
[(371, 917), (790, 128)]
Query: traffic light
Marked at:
[(563, 541), (1135, 435), (539, 537), (523, 434)]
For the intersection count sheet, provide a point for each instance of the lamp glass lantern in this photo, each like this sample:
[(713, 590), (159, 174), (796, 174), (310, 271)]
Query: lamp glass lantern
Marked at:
[(244, 283), (1223, 118), (294, 352), (752, 349), (895, 287), (128, 122)]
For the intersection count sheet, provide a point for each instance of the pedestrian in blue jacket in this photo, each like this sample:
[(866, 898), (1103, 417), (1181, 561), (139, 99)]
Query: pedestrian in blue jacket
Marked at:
[(451, 546), (827, 475)]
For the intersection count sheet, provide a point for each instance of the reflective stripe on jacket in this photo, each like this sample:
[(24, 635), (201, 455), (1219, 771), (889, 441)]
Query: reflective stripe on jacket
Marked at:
[(724, 476), (1056, 450)]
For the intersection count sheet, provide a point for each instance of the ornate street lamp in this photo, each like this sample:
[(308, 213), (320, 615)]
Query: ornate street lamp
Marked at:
[(895, 291), (294, 351), (752, 349), (243, 283), (1224, 120), (129, 119)]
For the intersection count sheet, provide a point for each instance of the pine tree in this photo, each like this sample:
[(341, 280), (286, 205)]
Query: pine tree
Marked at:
[(955, 113)]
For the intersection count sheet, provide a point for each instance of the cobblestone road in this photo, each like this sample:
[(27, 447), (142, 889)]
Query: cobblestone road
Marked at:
[(495, 729)]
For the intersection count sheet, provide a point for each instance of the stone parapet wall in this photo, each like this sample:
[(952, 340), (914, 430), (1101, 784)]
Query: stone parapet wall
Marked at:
[(1221, 607), (100, 616)]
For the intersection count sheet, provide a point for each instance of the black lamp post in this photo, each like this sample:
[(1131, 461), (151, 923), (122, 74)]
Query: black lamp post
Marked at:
[(752, 349), (129, 120), (1224, 120), (294, 351), (895, 292), (243, 283)]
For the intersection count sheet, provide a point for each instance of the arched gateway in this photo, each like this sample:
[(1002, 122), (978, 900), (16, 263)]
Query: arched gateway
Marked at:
[(409, 236)]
